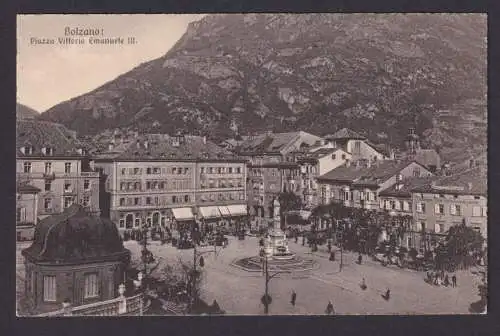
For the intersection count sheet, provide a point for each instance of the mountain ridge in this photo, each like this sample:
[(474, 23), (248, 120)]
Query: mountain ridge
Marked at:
[(241, 73)]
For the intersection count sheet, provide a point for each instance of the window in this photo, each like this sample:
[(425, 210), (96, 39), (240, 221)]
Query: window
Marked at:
[(238, 170), (202, 170), (21, 215), (122, 223), (86, 184), (67, 186), (420, 207), (136, 200), (48, 167), (86, 200), (476, 211), (137, 222), (398, 205), (485, 212), (47, 203), (439, 209), (122, 201), (186, 170), (148, 200), (124, 171), (91, 286), (334, 156), (186, 198), (420, 226), (381, 204), (67, 168), (68, 201), (416, 172), (230, 170), (156, 170), (48, 151), (439, 228), (27, 167), (49, 288), (406, 206), (357, 146), (174, 199), (28, 150), (179, 171), (137, 171), (48, 185), (455, 210)]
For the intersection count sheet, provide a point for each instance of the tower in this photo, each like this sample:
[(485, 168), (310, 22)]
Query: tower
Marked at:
[(412, 141)]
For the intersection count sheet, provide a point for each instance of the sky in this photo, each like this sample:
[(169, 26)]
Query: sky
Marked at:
[(48, 74)]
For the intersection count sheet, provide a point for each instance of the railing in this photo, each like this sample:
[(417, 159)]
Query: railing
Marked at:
[(133, 305)]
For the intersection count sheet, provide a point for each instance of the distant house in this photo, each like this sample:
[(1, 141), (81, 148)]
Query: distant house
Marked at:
[(448, 201), (358, 184), (358, 145), (311, 165), (75, 257)]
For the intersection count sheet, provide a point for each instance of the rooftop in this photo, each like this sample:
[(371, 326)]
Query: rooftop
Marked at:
[(359, 173), (39, 134), (428, 157), (167, 148), (75, 237), (406, 186), (275, 142), (469, 182), (345, 133)]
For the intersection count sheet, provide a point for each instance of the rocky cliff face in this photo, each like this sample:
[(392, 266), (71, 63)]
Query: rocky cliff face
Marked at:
[(240, 73)]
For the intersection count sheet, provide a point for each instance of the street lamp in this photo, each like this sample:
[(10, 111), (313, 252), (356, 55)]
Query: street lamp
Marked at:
[(265, 253)]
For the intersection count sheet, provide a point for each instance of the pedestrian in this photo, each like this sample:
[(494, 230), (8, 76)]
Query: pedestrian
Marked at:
[(329, 308), (363, 284), (294, 298), (296, 238), (329, 246), (360, 259), (387, 295), (303, 240), (454, 280), (446, 280), (332, 256), (436, 277), (442, 274)]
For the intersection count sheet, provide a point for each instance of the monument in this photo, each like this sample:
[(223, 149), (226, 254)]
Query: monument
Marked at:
[(276, 242)]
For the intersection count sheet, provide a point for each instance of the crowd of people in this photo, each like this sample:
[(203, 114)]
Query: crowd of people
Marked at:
[(441, 278)]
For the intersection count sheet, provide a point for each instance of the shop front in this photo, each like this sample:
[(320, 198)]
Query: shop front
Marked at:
[(210, 218)]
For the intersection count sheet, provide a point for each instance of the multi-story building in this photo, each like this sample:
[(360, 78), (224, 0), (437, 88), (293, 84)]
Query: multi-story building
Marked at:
[(448, 201), (161, 180), (397, 201), (313, 164), (26, 211), (426, 157), (358, 184), (270, 166), (358, 146), (50, 158)]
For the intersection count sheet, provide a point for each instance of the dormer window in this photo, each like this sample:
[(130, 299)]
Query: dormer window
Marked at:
[(47, 150), (27, 150)]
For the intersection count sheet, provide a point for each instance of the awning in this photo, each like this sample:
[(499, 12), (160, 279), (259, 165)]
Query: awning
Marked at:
[(224, 211), (183, 213), (210, 212), (237, 210)]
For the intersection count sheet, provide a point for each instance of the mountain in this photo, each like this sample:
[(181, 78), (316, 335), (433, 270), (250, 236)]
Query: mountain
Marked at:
[(25, 112), (378, 74)]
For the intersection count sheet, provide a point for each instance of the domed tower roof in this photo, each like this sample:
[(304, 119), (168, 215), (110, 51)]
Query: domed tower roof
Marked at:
[(74, 236)]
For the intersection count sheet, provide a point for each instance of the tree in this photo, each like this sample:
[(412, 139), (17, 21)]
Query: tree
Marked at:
[(462, 244), (480, 306)]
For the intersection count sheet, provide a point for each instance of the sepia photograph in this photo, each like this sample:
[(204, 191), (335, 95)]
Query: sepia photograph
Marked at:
[(251, 164)]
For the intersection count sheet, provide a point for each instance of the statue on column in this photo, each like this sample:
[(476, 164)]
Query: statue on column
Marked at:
[(276, 214)]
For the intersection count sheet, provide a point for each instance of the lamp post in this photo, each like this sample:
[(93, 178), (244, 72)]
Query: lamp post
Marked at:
[(265, 253), (341, 233)]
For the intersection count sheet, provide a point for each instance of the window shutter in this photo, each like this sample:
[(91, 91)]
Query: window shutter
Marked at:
[(453, 209), (485, 211), (406, 206), (436, 208), (419, 207), (397, 205), (476, 211), (23, 214), (382, 203)]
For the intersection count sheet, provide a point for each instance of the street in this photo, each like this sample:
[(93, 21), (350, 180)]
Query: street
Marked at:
[(239, 292)]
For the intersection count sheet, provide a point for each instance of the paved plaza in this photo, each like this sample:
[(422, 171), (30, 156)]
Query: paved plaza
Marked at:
[(239, 292)]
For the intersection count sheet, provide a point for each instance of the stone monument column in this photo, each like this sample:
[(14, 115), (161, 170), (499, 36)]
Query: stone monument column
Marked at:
[(276, 214)]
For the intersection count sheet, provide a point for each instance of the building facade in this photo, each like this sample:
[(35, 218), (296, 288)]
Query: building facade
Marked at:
[(452, 200), (358, 184), (271, 167), (157, 180), (26, 211), (50, 158)]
